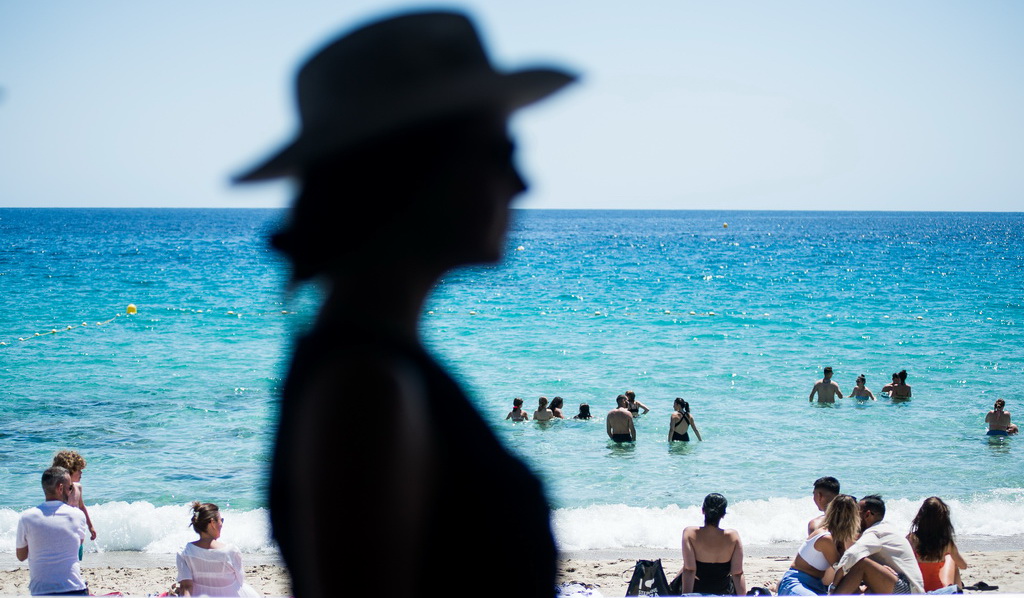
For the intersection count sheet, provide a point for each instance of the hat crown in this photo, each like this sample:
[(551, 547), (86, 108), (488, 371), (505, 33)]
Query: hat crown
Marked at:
[(386, 62)]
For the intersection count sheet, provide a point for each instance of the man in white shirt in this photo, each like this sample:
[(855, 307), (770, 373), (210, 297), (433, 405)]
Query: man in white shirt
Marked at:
[(49, 536), (882, 558)]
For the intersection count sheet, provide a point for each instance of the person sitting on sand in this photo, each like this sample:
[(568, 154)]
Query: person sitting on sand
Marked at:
[(826, 389), (584, 412), (680, 421), (860, 391), (209, 567), (517, 414), (556, 407), (932, 538), (634, 405), (826, 488), (542, 414), (881, 559), (619, 422), (998, 420), (50, 536), (811, 572), (712, 556)]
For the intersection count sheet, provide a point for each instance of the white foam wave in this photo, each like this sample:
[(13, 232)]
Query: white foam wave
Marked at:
[(999, 513), (141, 526)]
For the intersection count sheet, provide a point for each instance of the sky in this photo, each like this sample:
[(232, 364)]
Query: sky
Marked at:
[(681, 104)]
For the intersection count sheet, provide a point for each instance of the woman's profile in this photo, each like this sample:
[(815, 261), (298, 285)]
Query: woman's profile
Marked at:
[(405, 170)]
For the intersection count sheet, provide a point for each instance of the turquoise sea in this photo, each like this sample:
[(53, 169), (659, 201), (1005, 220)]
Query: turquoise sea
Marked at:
[(737, 312)]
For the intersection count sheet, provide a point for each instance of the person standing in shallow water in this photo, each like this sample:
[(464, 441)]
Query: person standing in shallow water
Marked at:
[(826, 389), (860, 391), (619, 422), (405, 170)]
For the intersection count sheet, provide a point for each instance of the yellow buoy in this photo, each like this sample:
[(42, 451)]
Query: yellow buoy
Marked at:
[(132, 309)]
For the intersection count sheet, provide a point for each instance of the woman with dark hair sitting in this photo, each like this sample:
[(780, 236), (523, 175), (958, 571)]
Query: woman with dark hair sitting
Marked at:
[(209, 567), (931, 535), (712, 556)]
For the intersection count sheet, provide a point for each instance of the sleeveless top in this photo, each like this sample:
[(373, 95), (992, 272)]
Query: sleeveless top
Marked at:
[(812, 555), (714, 578), (930, 573), (473, 475)]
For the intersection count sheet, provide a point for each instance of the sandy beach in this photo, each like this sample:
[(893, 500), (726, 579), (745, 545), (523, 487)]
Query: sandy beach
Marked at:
[(606, 573)]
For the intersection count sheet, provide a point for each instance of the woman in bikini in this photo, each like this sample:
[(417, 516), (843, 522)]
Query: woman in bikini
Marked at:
[(680, 422), (931, 536), (860, 391), (811, 571)]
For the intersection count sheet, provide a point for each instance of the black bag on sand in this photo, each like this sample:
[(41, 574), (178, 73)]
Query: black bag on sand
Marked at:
[(648, 580)]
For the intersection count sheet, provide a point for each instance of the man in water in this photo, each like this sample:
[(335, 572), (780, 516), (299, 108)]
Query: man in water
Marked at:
[(825, 489), (882, 558), (49, 536), (998, 420), (826, 389), (619, 423)]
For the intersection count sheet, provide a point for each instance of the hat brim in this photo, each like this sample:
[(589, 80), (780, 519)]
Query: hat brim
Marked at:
[(507, 92)]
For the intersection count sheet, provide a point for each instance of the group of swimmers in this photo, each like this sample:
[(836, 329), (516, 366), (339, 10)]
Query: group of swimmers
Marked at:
[(827, 389), (850, 549), (619, 421)]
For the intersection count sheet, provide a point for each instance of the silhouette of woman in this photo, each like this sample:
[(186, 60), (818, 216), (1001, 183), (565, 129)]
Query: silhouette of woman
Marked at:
[(406, 171)]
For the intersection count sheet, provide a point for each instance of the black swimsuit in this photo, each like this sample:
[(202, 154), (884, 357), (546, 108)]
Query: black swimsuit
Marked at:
[(685, 436), (714, 578)]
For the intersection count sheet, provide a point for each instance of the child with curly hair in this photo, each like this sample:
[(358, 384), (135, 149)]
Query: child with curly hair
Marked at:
[(75, 463)]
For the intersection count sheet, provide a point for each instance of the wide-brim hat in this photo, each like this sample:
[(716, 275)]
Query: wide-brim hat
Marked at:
[(396, 73)]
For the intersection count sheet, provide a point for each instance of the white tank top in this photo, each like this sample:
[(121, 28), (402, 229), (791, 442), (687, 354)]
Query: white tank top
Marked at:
[(812, 555)]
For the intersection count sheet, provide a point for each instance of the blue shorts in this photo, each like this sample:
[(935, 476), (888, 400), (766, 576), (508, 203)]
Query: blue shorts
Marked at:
[(998, 433), (798, 583)]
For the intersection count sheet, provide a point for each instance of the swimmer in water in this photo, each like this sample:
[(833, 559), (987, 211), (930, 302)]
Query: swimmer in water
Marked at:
[(998, 420), (517, 414), (860, 391)]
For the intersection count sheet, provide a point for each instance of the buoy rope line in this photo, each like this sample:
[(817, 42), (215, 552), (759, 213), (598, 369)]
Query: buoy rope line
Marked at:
[(130, 311)]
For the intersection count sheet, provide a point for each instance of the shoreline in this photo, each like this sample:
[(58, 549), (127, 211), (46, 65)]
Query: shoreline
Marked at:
[(606, 572)]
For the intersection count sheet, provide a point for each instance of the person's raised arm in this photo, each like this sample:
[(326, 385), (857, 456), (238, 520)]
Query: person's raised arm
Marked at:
[(642, 406)]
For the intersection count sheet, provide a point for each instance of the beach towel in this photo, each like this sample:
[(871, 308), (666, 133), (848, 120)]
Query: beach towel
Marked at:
[(648, 579)]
